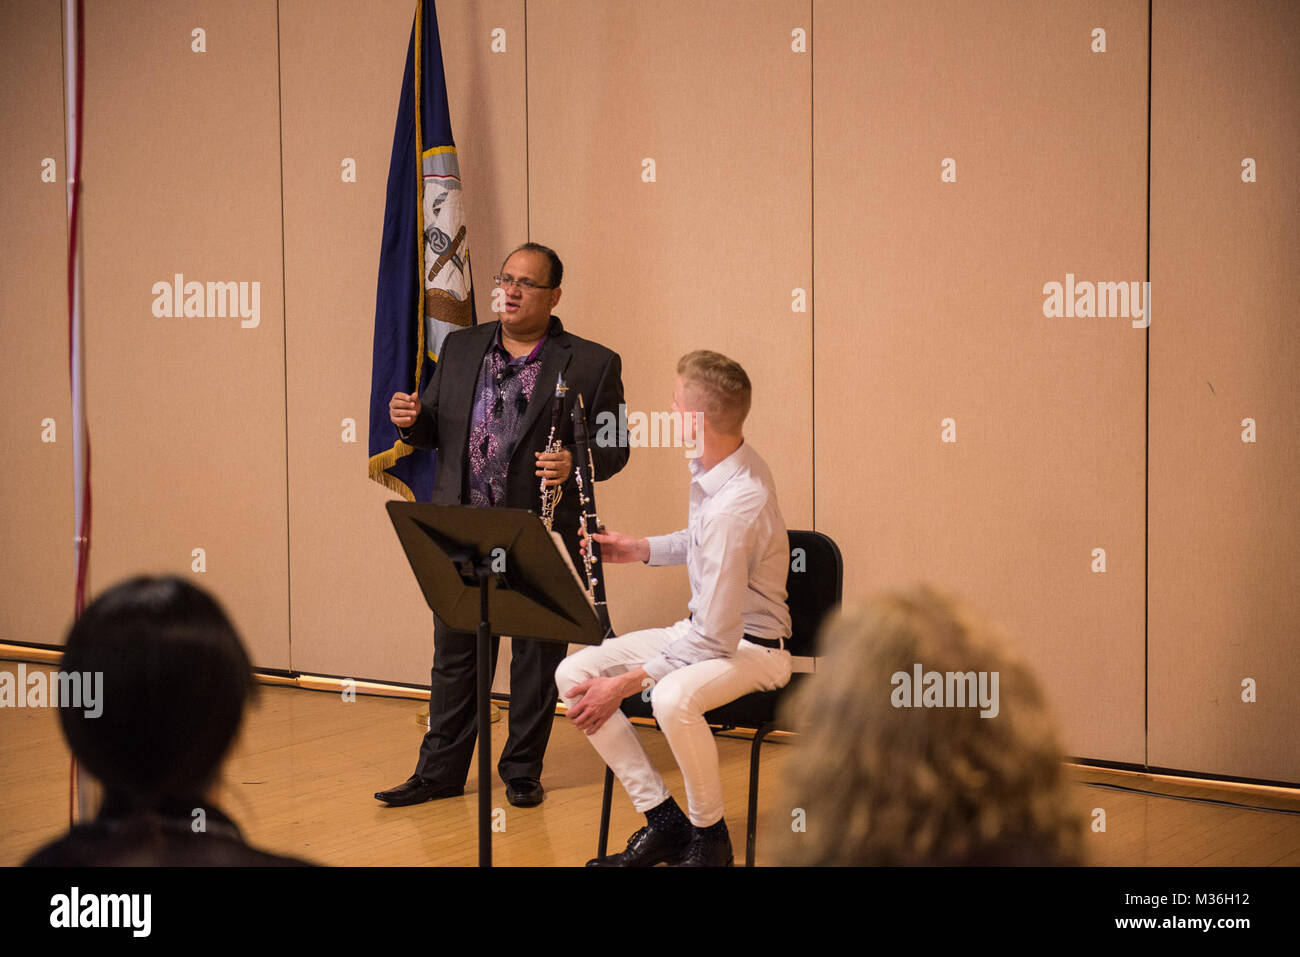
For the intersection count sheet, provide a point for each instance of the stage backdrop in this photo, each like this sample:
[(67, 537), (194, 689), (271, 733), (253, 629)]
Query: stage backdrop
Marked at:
[(925, 228)]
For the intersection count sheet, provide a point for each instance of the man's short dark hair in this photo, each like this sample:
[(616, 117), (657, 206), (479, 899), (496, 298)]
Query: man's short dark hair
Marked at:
[(557, 267)]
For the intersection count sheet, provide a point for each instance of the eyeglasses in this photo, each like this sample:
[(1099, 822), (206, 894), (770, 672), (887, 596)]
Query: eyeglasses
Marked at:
[(524, 284)]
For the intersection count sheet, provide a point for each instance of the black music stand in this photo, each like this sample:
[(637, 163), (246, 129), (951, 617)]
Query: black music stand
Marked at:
[(461, 555)]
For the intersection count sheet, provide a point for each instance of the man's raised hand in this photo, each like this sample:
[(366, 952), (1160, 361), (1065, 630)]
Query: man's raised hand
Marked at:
[(404, 409)]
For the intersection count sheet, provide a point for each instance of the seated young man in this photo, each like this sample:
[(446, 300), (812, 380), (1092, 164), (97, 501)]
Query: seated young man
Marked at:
[(732, 643)]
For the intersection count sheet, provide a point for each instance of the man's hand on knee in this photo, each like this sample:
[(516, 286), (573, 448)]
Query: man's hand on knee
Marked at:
[(601, 698)]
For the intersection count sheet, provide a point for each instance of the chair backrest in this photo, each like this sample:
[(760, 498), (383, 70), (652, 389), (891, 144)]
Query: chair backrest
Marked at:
[(814, 584)]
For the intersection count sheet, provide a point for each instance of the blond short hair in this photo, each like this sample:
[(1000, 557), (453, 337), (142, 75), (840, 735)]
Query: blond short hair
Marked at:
[(881, 784), (723, 386)]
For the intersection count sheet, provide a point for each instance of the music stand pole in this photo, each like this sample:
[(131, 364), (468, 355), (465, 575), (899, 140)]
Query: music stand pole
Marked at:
[(484, 721)]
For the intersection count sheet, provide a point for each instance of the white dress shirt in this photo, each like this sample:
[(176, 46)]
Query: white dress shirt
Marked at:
[(736, 554)]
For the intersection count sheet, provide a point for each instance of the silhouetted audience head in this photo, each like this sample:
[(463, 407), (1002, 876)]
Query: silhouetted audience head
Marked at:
[(175, 682), (882, 778)]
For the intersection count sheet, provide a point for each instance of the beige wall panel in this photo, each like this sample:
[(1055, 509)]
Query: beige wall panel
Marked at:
[(930, 305), (1225, 517), (356, 608), (36, 522), (182, 175), (706, 256)]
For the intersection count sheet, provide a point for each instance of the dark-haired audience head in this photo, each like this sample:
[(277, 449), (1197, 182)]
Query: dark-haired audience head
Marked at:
[(175, 682), (882, 782)]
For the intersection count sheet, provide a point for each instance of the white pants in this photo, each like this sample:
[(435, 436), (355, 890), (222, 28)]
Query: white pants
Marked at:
[(679, 702)]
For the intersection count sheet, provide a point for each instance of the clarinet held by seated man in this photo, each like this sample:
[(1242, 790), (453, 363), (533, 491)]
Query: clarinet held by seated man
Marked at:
[(584, 474)]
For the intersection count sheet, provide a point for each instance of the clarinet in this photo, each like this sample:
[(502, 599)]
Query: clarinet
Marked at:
[(551, 494), (584, 474)]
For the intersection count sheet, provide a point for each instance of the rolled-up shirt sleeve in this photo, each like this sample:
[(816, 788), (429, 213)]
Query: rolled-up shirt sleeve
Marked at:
[(669, 549), (717, 624)]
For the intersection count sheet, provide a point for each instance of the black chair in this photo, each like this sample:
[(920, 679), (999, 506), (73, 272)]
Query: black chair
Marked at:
[(814, 586)]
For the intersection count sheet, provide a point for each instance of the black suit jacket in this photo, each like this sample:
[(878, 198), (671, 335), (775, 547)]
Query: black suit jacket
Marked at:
[(588, 368)]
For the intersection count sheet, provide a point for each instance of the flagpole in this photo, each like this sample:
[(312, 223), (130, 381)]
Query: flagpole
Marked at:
[(80, 796)]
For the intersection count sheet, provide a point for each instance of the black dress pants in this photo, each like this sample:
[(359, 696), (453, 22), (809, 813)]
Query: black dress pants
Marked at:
[(448, 746)]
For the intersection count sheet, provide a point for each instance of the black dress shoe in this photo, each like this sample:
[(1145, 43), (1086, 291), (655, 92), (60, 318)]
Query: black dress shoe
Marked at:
[(707, 849), (524, 792), (648, 847), (415, 791)]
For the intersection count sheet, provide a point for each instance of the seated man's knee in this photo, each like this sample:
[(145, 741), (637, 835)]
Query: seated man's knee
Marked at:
[(575, 669), (566, 676), (670, 700)]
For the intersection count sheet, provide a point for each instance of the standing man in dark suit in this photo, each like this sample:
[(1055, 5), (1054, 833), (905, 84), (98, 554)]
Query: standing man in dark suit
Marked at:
[(487, 411)]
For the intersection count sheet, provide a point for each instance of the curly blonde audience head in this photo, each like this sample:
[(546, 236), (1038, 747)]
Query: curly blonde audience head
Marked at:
[(880, 784)]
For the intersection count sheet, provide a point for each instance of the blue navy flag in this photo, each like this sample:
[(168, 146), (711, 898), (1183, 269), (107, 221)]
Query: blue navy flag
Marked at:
[(425, 290)]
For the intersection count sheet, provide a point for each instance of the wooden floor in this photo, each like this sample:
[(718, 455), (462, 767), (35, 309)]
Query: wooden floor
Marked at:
[(303, 774)]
